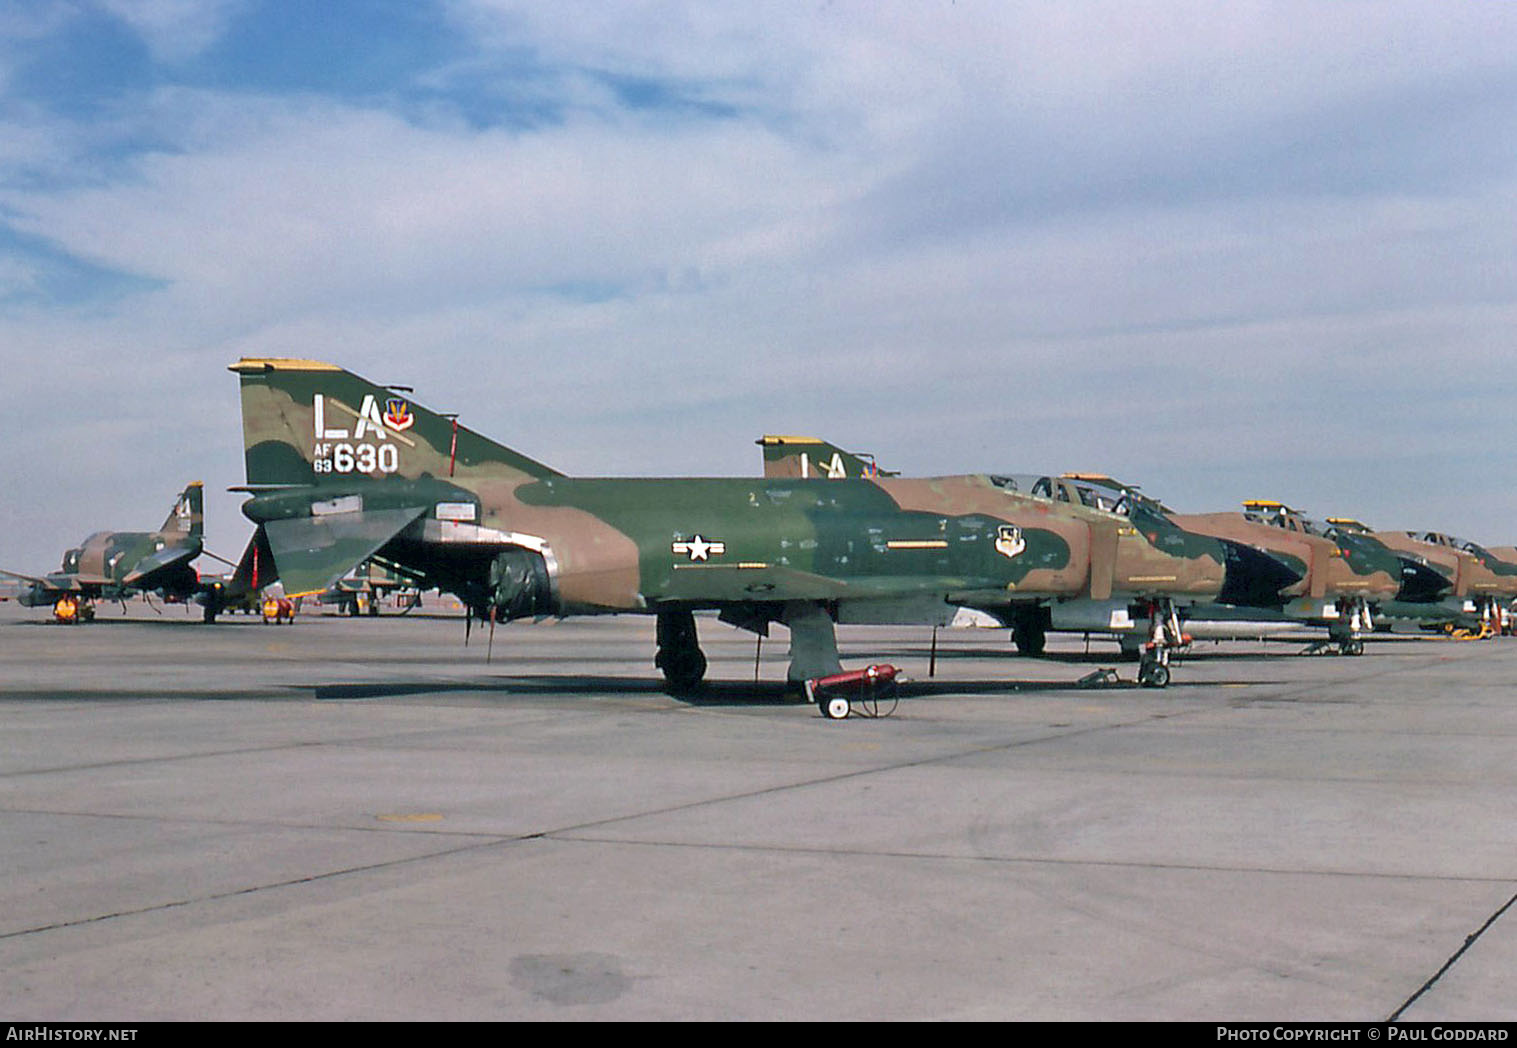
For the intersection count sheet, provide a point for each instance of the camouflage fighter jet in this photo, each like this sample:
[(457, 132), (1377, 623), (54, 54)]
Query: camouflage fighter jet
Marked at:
[(1252, 578), (341, 469), (1330, 582), (366, 587), (1475, 582), (114, 565), (1332, 578), (1343, 577), (243, 588), (1492, 583)]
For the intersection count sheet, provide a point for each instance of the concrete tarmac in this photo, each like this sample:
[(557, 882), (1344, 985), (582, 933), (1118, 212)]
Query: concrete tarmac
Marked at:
[(365, 819)]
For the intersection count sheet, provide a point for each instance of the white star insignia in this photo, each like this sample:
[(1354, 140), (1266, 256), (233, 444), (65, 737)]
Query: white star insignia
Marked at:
[(699, 549)]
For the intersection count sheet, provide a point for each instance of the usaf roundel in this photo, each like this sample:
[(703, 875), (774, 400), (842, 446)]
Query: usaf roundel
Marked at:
[(698, 548)]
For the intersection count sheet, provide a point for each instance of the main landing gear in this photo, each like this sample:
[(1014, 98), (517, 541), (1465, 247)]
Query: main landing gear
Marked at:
[(679, 652), (813, 649), (1354, 620), (1164, 637), (1029, 630)]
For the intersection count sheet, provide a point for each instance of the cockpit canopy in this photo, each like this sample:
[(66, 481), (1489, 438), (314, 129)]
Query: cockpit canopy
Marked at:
[(1350, 525), (1091, 490), (1438, 538), (1279, 515)]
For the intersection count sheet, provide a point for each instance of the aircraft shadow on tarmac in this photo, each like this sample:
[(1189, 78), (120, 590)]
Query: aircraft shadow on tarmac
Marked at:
[(713, 693), (1090, 658)]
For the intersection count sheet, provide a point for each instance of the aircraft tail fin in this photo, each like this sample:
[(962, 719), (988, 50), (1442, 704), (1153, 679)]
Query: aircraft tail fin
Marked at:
[(808, 457), (188, 515), (304, 422), (255, 568)]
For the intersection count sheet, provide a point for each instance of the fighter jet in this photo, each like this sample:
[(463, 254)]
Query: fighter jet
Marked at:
[(366, 587), (1298, 574), (114, 565), (1474, 582), (341, 469), (1491, 580), (1343, 577)]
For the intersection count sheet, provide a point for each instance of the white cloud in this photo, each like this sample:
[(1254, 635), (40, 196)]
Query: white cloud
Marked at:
[(176, 29), (959, 235)]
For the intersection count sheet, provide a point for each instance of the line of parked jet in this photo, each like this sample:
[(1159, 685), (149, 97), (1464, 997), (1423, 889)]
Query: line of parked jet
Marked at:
[(341, 471)]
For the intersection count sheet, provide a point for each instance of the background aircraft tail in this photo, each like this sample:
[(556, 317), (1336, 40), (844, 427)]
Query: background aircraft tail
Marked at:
[(188, 515), (809, 457), (305, 422)]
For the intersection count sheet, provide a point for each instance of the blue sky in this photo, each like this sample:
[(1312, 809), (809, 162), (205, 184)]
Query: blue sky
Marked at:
[(1226, 250)]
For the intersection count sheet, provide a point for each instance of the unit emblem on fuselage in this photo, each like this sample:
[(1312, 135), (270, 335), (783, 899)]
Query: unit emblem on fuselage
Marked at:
[(398, 414), (1009, 540)]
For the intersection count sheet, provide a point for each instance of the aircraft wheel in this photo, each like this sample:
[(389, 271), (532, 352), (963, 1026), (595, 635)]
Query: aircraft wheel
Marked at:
[(1029, 639), (1353, 647), (684, 670), (1154, 675), (834, 708)]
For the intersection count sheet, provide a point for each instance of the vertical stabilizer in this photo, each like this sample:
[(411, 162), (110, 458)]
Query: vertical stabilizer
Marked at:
[(305, 422), (188, 515), (808, 457)]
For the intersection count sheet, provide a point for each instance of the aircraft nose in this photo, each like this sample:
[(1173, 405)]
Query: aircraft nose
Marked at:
[(1421, 584), (1255, 579)]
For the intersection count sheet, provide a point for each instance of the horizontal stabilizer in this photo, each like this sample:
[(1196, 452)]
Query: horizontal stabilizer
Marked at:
[(311, 553), (168, 557), (34, 580)]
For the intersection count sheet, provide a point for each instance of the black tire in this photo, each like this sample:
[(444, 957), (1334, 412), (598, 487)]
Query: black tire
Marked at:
[(1153, 674), (1029, 639), (684, 670)]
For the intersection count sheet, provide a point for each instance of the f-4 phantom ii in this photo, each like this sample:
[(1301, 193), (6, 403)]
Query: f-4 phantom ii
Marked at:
[(365, 589), (1140, 606), (113, 565), (1318, 577), (1345, 576), (341, 469), (1473, 582)]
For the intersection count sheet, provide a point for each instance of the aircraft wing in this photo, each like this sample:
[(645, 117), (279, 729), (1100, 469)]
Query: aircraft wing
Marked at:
[(140, 576), (751, 582), (311, 553), (742, 582), (54, 585), (33, 579)]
